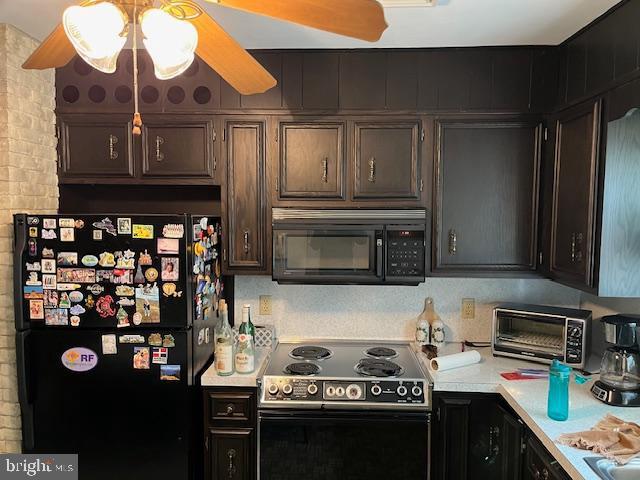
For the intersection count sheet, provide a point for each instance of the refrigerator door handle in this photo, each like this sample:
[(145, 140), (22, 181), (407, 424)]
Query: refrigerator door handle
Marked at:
[(20, 245), (23, 342)]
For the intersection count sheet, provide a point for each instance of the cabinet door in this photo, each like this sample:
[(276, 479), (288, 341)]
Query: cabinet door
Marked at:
[(539, 464), (574, 194), (178, 150), (386, 160), (486, 195), (232, 454), (245, 199), (95, 147), (311, 160), (509, 435), (452, 434)]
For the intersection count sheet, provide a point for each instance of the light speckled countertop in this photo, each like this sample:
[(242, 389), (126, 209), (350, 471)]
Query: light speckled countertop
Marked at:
[(210, 377), (528, 398)]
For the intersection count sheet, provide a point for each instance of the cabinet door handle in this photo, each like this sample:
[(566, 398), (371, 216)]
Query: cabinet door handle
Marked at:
[(579, 238), (453, 242), (113, 154), (231, 470), (494, 445), (573, 248), (325, 170), (246, 241), (230, 409), (372, 170), (545, 474), (159, 154)]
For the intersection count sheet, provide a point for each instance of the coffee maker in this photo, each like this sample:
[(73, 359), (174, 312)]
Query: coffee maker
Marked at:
[(619, 382)]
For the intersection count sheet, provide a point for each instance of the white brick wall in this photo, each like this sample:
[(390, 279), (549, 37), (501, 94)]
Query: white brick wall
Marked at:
[(28, 183)]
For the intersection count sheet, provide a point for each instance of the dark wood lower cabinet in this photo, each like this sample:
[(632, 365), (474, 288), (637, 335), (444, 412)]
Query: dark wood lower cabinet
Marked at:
[(230, 434), (478, 436)]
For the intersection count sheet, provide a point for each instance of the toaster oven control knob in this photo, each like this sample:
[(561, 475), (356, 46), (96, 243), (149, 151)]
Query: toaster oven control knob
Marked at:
[(575, 332), (287, 389), (416, 391), (401, 390), (273, 389), (312, 389), (354, 392), (376, 390), (339, 391)]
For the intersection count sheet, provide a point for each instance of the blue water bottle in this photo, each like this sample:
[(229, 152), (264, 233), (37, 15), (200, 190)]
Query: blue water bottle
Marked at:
[(558, 402)]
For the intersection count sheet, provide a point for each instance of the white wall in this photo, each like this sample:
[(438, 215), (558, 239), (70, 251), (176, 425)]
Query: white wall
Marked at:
[(609, 306), (377, 312)]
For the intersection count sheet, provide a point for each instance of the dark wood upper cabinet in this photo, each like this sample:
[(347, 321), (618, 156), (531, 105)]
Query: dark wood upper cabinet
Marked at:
[(95, 147), (386, 160), (486, 195), (311, 159), (574, 194), (177, 148), (246, 227)]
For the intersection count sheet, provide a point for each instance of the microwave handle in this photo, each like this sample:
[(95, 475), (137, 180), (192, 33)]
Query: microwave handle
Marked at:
[(379, 255)]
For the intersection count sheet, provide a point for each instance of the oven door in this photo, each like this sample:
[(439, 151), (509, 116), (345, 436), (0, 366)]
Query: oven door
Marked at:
[(319, 445), (331, 254)]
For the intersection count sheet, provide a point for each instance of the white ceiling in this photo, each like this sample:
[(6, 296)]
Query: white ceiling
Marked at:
[(451, 23)]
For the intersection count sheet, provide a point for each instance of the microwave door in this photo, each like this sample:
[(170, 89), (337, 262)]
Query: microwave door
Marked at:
[(336, 254)]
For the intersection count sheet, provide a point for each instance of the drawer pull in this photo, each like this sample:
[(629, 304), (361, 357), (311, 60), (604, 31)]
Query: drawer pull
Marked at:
[(246, 241), (159, 154), (230, 409), (113, 154), (325, 170), (372, 170), (231, 453), (453, 242)]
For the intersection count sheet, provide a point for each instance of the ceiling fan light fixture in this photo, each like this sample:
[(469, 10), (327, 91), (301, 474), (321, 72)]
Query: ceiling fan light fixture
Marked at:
[(98, 32), (170, 41)]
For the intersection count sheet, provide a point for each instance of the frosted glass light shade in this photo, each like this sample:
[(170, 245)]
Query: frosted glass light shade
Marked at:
[(171, 42), (97, 32)]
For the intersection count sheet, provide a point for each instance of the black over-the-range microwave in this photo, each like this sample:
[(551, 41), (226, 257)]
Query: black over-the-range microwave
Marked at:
[(349, 246)]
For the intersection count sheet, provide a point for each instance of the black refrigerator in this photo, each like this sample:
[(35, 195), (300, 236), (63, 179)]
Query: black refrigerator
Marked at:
[(115, 317)]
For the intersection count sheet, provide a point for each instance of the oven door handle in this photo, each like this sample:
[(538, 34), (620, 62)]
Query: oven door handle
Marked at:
[(379, 255), (332, 417)]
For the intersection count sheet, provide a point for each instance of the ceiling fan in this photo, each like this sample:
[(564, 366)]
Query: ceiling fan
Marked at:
[(174, 30)]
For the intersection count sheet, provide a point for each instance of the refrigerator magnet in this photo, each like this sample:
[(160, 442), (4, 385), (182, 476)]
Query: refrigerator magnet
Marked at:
[(76, 309), (67, 259), (48, 265), (107, 260), (141, 358), (68, 286), (144, 232), (145, 259), (33, 232), (36, 267), (51, 299), (124, 226), (155, 340), (137, 318), (109, 345), (33, 279), (168, 341), (33, 248), (49, 234), (67, 222), (33, 220), (148, 303), (160, 356), (125, 291), (173, 230), (123, 318), (90, 303), (56, 316), (75, 321), (131, 339), (127, 302), (151, 274), (47, 252), (49, 282), (89, 260), (67, 235), (79, 224), (104, 306), (96, 289), (36, 309), (97, 235), (49, 223), (170, 269), (33, 292), (170, 373), (168, 246), (170, 290), (107, 225), (76, 296), (64, 301)]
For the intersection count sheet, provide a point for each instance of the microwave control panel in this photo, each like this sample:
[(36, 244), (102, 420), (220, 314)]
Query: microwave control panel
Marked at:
[(405, 253)]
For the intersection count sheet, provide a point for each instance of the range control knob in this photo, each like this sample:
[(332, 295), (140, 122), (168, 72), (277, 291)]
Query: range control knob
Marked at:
[(287, 389), (416, 391), (273, 389), (401, 390), (354, 392), (312, 389), (376, 390), (340, 392)]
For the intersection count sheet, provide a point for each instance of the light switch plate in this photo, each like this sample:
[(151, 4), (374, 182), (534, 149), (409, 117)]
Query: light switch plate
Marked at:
[(468, 310), (265, 304)]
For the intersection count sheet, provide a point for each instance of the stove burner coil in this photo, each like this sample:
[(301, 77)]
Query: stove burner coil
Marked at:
[(302, 368), (378, 367), (310, 352), (381, 352)]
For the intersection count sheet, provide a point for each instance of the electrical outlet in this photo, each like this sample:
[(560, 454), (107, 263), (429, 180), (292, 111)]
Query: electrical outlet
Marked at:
[(468, 311), (265, 304)]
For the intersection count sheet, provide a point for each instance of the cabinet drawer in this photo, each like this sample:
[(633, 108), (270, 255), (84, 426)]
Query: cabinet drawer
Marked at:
[(232, 407)]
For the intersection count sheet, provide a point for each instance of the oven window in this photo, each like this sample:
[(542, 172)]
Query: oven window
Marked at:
[(326, 252), (368, 449), (530, 333)]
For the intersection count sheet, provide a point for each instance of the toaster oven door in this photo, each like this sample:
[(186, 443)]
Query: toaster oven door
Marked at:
[(528, 334)]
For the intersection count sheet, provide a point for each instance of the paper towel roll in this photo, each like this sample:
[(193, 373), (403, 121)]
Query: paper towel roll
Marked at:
[(457, 360)]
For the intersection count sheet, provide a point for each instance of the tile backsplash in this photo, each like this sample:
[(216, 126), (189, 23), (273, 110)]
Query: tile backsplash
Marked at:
[(386, 312)]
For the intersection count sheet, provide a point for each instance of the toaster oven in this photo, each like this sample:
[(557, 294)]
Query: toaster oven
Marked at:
[(543, 334)]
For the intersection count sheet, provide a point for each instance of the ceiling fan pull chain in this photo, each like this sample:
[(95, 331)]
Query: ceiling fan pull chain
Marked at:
[(137, 119)]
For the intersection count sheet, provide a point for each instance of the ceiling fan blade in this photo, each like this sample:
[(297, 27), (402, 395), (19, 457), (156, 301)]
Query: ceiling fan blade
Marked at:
[(363, 19), (232, 62), (56, 51)]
